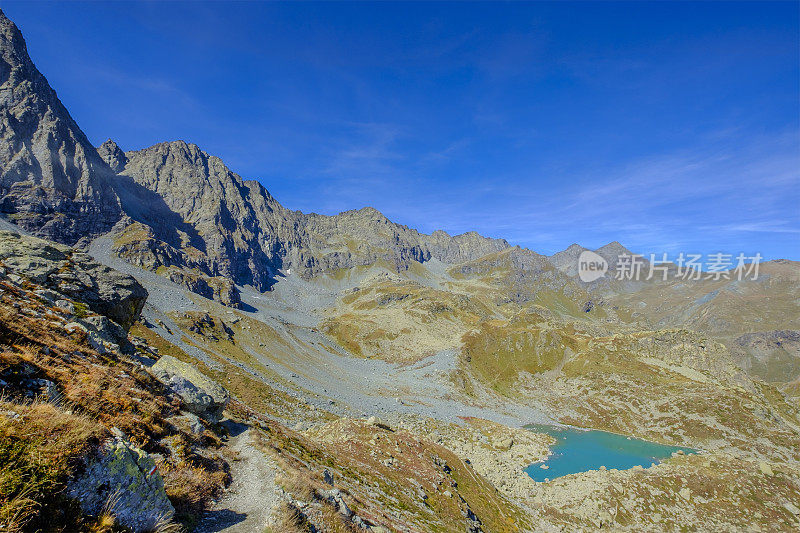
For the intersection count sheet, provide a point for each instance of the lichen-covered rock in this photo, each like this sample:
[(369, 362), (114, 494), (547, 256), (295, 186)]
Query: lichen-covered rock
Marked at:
[(75, 275), (125, 476), (202, 396)]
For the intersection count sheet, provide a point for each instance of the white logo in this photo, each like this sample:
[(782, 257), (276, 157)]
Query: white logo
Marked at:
[(591, 266)]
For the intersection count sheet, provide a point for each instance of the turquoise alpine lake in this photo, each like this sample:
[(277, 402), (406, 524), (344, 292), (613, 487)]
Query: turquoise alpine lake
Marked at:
[(579, 450)]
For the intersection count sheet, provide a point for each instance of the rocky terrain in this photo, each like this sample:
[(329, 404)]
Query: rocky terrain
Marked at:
[(179, 351)]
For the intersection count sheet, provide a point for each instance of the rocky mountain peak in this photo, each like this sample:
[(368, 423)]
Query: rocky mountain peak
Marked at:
[(52, 180), (181, 148), (12, 43), (575, 247), (113, 155), (613, 248), (567, 260), (366, 214)]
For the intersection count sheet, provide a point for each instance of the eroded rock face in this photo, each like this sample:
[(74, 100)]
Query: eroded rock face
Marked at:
[(202, 396), (52, 181), (113, 155), (214, 288), (121, 473), (75, 275)]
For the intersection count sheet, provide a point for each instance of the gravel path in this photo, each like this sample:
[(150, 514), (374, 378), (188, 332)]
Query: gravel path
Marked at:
[(247, 504)]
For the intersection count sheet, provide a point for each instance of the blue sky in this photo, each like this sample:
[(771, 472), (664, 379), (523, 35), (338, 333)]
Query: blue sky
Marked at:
[(668, 126)]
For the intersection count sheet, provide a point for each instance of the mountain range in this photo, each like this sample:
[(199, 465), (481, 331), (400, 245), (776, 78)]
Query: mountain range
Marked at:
[(313, 321)]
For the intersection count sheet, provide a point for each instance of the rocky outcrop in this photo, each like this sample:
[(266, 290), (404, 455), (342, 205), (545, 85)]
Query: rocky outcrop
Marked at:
[(202, 396), (113, 155), (74, 275), (124, 480), (214, 288), (52, 181)]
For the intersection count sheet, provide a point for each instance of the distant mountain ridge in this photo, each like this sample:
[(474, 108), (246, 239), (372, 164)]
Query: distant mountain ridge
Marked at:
[(210, 218), (177, 207)]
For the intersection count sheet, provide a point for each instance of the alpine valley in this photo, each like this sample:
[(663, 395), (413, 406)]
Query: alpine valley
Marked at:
[(179, 351)]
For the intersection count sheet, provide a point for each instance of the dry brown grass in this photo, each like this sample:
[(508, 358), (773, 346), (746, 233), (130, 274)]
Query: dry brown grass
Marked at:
[(40, 446), (193, 484), (96, 392), (287, 519), (107, 388)]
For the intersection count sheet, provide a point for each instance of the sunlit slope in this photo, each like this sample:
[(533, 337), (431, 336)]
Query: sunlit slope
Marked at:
[(673, 386), (731, 311)]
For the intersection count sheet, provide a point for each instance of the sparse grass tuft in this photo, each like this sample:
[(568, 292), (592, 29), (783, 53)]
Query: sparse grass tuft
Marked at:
[(286, 518), (39, 447)]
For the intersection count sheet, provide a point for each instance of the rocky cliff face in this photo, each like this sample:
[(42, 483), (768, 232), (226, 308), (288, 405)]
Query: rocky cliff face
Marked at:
[(366, 236), (52, 181), (195, 213), (209, 217)]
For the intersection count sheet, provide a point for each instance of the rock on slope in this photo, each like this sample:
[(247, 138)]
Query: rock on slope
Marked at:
[(202, 396), (74, 275), (52, 181)]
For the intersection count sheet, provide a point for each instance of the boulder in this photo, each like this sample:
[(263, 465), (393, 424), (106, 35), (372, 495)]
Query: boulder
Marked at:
[(126, 477), (378, 423), (334, 497), (503, 443), (107, 330), (202, 395)]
